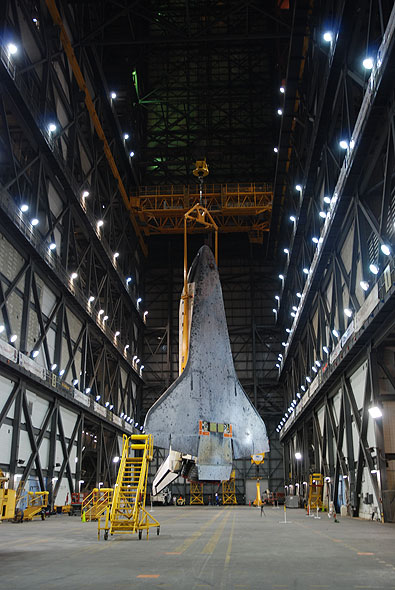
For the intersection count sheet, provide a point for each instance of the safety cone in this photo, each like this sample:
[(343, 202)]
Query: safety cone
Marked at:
[(83, 518)]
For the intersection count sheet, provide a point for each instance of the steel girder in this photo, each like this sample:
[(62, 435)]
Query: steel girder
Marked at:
[(323, 308), (49, 169)]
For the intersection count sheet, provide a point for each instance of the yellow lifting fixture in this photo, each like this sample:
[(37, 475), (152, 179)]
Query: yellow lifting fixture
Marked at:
[(202, 216), (196, 493), (127, 513)]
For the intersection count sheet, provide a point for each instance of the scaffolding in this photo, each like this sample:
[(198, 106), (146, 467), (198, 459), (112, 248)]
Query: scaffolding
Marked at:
[(229, 490), (316, 484), (196, 493)]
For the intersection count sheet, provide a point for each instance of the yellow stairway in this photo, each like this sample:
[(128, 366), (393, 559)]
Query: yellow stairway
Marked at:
[(315, 491), (127, 513)]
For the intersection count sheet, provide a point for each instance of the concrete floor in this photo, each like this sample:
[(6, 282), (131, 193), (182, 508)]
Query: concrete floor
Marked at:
[(202, 547)]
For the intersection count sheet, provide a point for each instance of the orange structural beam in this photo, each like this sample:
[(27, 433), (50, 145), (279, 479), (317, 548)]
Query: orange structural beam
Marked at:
[(233, 207), (57, 19)]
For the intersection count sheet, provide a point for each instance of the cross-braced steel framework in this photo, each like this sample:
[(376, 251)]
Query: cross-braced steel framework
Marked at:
[(71, 310), (335, 183)]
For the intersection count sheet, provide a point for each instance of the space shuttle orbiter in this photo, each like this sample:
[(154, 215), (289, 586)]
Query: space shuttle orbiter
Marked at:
[(205, 415)]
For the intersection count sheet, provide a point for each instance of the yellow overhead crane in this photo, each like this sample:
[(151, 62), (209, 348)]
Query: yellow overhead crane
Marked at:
[(239, 207)]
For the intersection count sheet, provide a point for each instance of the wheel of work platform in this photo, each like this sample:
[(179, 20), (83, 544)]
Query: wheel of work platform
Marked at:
[(157, 530), (140, 535), (105, 535)]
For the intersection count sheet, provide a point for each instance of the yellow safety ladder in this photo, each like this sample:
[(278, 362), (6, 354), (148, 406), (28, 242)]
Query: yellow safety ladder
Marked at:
[(96, 503), (229, 490), (196, 493), (127, 513)]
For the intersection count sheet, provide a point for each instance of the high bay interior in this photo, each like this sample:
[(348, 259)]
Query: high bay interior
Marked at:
[(104, 110)]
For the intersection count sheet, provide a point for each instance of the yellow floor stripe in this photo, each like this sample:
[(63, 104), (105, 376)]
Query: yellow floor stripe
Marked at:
[(188, 542), (212, 543), (229, 549)]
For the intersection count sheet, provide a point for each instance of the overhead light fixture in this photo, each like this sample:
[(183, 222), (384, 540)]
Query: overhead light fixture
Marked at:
[(126, 136), (105, 318), (145, 313), (375, 412), (294, 308), (298, 456), (368, 63), (299, 295), (385, 249), (61, 372), (292, 218), (325, 349), (117, 333), (327, 36), (100, 312), (24, 208), (288, 330), (282, 89), (348, 312), (327, 200), (281, 276), (35, 353), (52, 246), (364, 285), (284, 344), (115, 459), (318, 363), (113, 95), (73, 276), (286, 251), (13, 338), (126, 346), (308, 379), (97, 397), (322, 214), (277, 297), (303, 388), (139, 300), (131, 154), (298, 395), (335, 333), (315, 240), (34, 221), (374, 269), (128, 280), (137, 361), (107, 404), (275, 149), (279, 112), (52, 127), (111, 406), (134, 358), (313, 368), (116, 254), (343, 144), (53, 366), (87, 390), (91, 299), (85, 194), (298, 187), (75, 382), (306, 271), (100, 223), (12, 48), (274, 310), (142, 367)]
